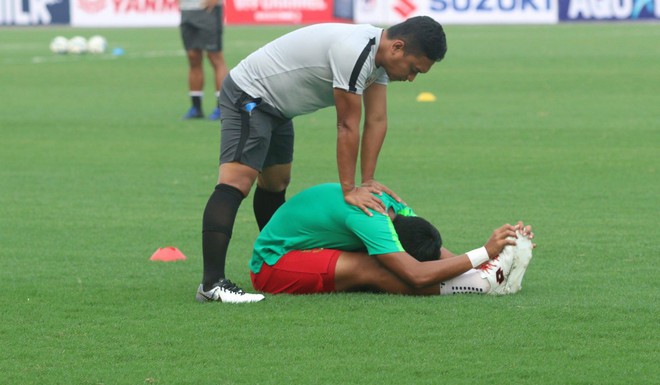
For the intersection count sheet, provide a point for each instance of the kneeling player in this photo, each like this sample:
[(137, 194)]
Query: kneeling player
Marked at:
[(316, 243)]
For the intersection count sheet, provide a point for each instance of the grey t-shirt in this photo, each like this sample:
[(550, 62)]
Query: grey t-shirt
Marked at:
[(297, 72)]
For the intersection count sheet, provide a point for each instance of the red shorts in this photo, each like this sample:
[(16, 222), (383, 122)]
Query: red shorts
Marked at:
[(299, 272)]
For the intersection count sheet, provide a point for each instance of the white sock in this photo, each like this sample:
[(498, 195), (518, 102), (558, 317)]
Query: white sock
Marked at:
[(468, 282)]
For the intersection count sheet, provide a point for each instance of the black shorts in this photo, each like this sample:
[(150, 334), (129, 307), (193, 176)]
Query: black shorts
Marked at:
[(201, 29), (259, 139)]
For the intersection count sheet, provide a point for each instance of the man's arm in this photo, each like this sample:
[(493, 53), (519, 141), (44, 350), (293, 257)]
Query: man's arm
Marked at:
[(422, 274), (349, 113), (375, 128), (210, 4), (373, 136)]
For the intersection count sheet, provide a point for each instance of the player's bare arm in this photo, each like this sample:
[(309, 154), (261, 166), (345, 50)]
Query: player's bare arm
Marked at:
[(423, 274), (445, 253), (349, 113)]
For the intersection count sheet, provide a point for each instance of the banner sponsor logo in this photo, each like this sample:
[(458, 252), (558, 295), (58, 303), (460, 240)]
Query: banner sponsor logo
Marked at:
[(34, 12), (278, 11), (404, 8), (269, 5), (458, 11), (129, 6), (491, 6), (92, 6), (119, 13), (146, 6), (609, 9), (367, 5), (343, 9)]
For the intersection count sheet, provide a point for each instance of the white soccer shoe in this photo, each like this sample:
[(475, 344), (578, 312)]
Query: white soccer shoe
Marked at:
[(227, 292), (522, 255), (497, 271)]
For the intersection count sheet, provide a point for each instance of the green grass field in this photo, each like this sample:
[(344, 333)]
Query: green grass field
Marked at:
[(556, 125)]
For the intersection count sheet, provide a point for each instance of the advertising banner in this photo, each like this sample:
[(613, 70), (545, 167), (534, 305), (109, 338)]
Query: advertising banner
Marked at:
[(279, 11), (457, 11), (609, 10), (125, 13), (34, 12)]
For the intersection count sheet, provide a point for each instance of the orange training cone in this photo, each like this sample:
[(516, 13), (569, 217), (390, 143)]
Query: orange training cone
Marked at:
[(168, 254)]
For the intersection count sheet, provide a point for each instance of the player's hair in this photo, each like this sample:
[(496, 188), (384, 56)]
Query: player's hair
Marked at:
[(418, 237), (422, 35)]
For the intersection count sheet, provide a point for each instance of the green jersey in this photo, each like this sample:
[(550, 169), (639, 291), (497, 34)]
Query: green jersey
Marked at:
[(320, 218)]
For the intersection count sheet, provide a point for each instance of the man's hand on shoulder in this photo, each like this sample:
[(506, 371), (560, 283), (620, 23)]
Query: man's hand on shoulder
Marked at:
[(378, 188), (362, 198)]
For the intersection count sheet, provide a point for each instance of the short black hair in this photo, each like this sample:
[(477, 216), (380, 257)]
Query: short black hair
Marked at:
[(422, 35), (418, 237)]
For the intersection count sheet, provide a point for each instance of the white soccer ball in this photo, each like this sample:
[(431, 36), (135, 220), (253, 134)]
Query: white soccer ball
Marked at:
[(97, 44), (77, 45), (59, 45)]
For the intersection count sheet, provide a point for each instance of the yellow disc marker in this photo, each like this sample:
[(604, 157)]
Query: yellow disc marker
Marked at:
[(426, 97)]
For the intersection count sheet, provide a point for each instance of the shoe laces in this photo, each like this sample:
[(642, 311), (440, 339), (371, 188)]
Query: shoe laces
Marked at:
[(488, 265), (231, 287)]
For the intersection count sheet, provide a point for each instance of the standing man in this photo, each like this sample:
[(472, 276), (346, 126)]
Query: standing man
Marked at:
[(201, 30), (341, 65)]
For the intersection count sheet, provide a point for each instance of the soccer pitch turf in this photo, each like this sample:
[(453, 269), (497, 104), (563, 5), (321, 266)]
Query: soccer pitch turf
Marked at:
[(556, 125)]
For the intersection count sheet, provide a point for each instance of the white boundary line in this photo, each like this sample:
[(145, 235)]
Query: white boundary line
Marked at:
[(67, 58)]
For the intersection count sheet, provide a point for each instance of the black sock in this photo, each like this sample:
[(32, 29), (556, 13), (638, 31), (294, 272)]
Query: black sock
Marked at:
[(197, 102), (217, 226), (265, 203)]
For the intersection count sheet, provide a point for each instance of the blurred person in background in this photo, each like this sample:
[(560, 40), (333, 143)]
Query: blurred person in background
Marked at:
[(201, 31)]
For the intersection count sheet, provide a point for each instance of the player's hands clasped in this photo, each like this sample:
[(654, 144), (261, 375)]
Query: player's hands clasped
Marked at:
[(506, 235), (503, 236), (525, 231)]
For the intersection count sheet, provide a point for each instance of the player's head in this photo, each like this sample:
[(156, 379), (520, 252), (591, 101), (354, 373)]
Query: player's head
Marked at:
[(418, 237), (422, 36)]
